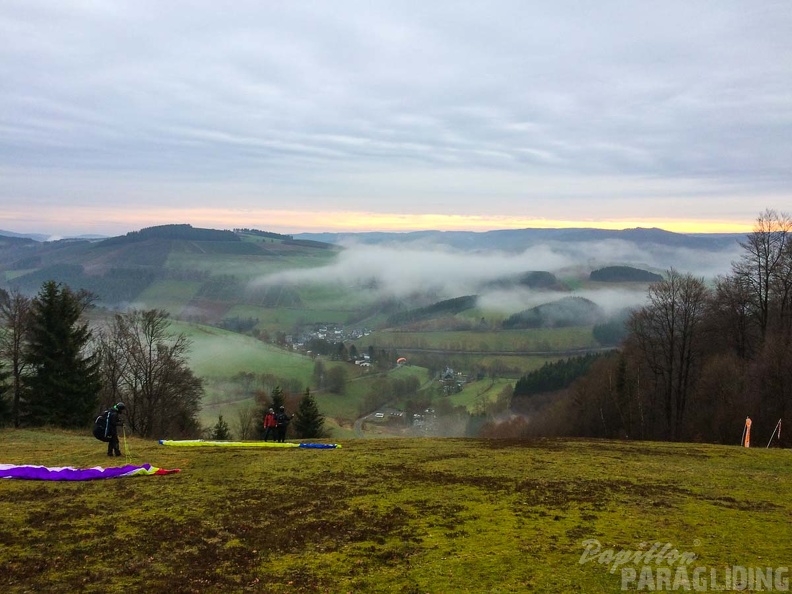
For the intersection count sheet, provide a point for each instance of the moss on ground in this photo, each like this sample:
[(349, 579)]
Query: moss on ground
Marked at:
[(396, 515)]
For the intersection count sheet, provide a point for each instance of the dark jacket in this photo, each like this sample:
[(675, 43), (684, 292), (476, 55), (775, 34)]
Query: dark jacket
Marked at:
[(111, 429), (106, 425), (282, 419)]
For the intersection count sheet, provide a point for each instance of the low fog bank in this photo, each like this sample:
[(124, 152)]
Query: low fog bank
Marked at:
[(611, 300), (399, 271)]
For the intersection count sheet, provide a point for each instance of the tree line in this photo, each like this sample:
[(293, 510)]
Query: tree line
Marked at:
[(175, 231), (553, 376)]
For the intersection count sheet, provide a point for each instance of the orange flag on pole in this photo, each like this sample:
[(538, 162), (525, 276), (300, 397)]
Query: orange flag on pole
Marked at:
[(747, 442)]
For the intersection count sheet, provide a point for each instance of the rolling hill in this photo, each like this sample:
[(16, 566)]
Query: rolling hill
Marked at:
[(520, 239), (189, 272)]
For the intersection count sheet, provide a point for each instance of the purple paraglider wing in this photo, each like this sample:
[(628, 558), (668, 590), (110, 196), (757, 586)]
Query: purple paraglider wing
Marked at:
[(68, 473)]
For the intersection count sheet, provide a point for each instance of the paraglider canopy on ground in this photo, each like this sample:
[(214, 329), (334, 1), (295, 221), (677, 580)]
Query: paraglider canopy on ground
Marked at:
[(68, 473), (246, 444)]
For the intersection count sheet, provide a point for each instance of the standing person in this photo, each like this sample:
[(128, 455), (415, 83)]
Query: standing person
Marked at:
[(281, 422), (106, 428), (270, 424)]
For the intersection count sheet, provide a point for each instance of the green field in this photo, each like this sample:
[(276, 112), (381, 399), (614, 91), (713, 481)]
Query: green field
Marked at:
[(218, 353), (540, 339), (279, 318), (243, 266), (170, 295), (475, 393), (395, 515)]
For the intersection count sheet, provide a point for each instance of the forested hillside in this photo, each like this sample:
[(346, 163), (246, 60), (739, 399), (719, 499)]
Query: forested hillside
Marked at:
[(119, 271), (568, 311), (620, 274), (445, 307)]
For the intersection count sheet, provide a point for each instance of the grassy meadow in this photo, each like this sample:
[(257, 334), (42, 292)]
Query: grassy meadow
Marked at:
[(538, 339), (390, 515), (217, 353)]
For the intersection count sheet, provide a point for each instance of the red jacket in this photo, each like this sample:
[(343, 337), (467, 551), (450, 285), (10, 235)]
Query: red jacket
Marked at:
[(269, 420)]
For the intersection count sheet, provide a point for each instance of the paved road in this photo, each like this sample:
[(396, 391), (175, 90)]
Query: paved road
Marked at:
[(359, 426)]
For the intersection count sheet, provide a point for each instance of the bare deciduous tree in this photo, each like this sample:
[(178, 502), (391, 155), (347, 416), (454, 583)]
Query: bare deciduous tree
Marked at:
[(729, 314), (14, 315), (765, 268), (666, 331), (245, 426), (145, 365)]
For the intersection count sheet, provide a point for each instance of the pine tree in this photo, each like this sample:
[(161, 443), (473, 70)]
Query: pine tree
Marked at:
[(308, 421), (221, 430), (64, 382), (278, 399)]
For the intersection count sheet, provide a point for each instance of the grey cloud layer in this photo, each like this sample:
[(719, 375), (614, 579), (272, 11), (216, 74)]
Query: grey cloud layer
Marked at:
[(312, 97)]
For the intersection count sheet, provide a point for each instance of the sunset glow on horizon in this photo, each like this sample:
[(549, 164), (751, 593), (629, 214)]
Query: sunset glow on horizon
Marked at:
[(103, 221)]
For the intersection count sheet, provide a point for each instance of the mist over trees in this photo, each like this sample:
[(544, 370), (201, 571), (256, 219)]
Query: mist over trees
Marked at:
[(697, 359), (567, 311)]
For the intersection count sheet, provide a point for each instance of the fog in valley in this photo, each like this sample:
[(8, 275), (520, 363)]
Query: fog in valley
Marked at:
[(424, 273)]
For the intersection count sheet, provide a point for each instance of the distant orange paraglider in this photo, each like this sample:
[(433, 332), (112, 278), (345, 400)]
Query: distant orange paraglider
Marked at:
[(401, 361)]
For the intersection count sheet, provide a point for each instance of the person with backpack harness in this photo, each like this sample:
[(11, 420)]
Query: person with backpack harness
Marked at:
[(106, 428), (281, 422), (270, 424)]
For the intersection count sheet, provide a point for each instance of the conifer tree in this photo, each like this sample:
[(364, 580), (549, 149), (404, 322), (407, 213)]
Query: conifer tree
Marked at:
[(64, 382), (308, 421), (221, 430), (278, 399)]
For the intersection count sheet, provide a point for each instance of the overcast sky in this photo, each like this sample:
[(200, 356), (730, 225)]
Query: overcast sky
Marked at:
[(363, 115)]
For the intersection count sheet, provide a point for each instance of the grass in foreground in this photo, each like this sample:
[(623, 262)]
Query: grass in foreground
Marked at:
[(398, 515)]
